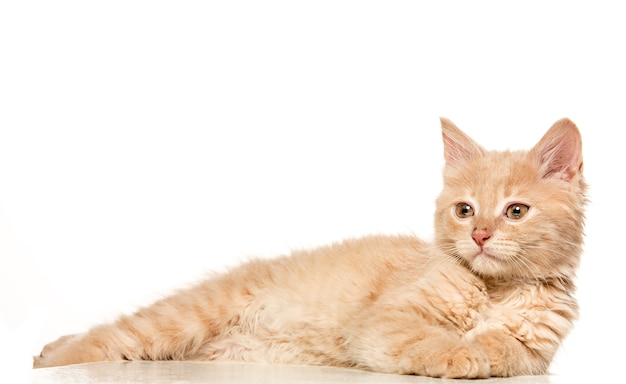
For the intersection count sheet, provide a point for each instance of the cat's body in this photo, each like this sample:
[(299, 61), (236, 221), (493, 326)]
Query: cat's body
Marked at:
[(491, 296)]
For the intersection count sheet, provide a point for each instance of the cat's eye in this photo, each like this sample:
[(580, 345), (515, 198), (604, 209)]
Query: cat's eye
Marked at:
[(464, 210), (516, 211)]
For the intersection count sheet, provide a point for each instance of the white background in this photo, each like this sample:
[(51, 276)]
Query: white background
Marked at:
[(143, 144)]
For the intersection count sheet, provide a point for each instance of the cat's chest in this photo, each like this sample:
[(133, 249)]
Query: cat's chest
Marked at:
[(466, 304), (517, 311), (454, 298)]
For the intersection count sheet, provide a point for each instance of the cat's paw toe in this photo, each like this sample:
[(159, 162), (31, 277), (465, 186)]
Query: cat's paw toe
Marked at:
[(462, 363), (63, 351)]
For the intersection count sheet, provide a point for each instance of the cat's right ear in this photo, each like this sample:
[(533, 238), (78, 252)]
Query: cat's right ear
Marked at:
[(457, 146)]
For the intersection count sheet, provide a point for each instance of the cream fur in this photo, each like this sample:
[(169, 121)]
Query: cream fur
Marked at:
[(394, 304)]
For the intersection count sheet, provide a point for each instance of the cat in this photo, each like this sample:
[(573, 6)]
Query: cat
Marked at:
[(492, 295)]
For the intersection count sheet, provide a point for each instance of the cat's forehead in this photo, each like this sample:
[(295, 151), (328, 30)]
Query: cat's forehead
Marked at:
[(493, 176)]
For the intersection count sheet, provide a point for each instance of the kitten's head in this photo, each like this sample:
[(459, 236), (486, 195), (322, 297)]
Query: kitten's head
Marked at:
[(513, 214)]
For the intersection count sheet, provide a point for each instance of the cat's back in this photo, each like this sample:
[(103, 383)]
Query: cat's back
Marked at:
[(325, 285), (352, 267)]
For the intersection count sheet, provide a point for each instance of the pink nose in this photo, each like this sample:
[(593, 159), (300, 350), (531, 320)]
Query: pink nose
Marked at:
[(480, 236)]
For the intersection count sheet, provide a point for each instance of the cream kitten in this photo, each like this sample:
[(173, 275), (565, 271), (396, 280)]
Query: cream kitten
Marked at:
[(491, 296)]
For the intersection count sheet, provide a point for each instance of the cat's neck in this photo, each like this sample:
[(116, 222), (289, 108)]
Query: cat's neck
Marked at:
[(543, 286), (562, 283), (559, 281)]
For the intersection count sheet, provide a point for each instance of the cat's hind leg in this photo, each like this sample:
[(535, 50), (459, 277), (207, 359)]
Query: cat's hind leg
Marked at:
[(174, 328), (70, 349)]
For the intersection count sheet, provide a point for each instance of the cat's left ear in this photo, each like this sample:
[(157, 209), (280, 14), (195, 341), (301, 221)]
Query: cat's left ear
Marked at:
[(559, 152)]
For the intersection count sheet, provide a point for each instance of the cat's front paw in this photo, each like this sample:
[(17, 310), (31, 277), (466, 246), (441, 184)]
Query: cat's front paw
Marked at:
[(460, 363), (70, 349)]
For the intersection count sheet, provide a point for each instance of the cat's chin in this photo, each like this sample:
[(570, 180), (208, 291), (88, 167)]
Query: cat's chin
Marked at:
[(487, 264)]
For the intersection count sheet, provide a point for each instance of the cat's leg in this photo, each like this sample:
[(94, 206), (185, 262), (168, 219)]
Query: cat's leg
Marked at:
[(508, 356), (73, 349), (171, 329), (430, 355), (402, 341)]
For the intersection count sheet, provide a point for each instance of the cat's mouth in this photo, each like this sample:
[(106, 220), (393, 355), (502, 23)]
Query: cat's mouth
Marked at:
[(482, 254)]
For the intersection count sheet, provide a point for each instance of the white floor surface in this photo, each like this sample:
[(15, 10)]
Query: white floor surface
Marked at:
[(233, 373)]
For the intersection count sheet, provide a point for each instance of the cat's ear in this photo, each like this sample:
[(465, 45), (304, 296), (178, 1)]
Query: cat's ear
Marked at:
[(559, 152), (457, 146)]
